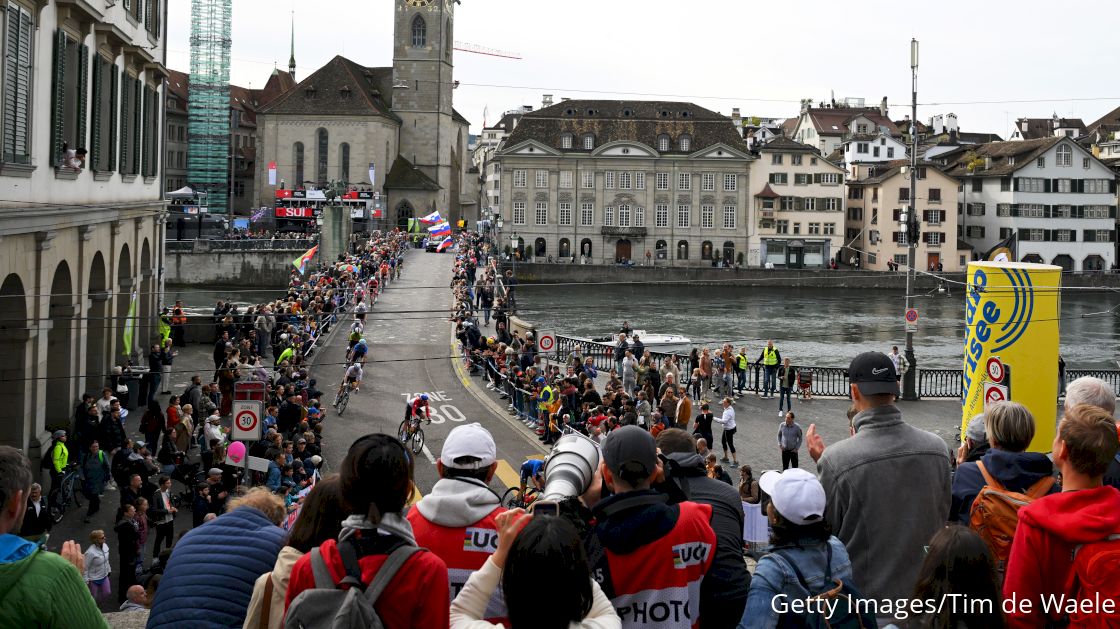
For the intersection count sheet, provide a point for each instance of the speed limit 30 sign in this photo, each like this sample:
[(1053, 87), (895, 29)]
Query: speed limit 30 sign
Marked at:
[(247, 420), (546, 342)]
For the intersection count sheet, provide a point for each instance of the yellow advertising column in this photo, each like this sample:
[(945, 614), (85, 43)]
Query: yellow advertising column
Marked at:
[(1011, 341)]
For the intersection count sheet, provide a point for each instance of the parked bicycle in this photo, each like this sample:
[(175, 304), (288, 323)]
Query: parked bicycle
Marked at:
[(411, 434), (67, 493)]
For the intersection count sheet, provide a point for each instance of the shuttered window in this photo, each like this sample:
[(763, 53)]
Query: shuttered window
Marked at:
[(101, 114), (150, 132), (18, 40)]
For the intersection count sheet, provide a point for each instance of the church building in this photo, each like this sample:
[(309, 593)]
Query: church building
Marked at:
[(391, 130)]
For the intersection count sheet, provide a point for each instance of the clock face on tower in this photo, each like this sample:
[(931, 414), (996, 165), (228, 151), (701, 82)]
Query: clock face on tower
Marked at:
[(419, 3)]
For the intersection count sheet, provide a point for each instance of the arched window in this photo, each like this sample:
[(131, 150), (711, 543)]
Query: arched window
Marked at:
[(344, 162), (448, 45), (585, 247), (321, 157), (539, 248), (706, 250), (419, 32), (686, 143), (1093, 263), (661, 249), (1064, 261), (682, 250), (588, 142), (297, 159), (1065, 155), (566, 141), (565, 250), (663, 142), (729, 253)]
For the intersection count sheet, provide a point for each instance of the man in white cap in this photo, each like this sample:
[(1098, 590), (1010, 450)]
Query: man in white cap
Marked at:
[(456, 521)]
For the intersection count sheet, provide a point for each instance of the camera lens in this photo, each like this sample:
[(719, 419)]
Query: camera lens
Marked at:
[(570, 467)]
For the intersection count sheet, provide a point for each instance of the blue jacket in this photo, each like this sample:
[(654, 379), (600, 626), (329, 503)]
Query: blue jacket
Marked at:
[(775, 582), (273, 480), (1016, 470), (209, 580)]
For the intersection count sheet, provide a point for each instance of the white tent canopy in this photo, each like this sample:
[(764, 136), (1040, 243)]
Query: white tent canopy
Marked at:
[(181, 193)]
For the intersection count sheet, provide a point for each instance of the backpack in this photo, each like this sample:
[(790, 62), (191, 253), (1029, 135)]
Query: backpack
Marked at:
[(995, 514), (841, 597), (1094, 578), (327, 607)]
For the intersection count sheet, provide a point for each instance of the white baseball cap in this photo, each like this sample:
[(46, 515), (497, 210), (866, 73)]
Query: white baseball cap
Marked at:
[(797, 495), (468, 440)]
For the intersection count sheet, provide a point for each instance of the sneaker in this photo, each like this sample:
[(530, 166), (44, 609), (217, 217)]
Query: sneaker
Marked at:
[(724, 460), (734, 465), (781, 414)]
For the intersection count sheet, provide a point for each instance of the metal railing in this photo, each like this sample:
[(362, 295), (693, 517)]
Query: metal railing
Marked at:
[(252, 244), (828, 381)]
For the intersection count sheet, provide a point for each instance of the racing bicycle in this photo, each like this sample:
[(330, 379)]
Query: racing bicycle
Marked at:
[(411, 434), (513, 499), (343, 398)]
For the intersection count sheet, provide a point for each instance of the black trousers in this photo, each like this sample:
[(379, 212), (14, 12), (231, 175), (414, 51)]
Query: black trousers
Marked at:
[(789, 459), (163, 532)]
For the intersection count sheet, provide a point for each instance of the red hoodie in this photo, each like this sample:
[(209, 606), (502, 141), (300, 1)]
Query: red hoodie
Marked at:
[(1049, 529)]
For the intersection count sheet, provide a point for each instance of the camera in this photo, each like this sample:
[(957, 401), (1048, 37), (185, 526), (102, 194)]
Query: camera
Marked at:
[(568, 472)]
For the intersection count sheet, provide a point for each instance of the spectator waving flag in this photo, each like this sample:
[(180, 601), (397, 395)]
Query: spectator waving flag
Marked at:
[(301, 262), (434, 217), (441, 230), (446, 244)]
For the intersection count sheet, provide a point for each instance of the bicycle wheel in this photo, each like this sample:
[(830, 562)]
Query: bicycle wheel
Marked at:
[(342, 402), (418, 441), (402, 432), (512, 498), (337, 397)]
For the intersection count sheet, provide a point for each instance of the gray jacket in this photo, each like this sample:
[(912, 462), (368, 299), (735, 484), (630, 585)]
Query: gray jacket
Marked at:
[(889, 490), (789, 437)]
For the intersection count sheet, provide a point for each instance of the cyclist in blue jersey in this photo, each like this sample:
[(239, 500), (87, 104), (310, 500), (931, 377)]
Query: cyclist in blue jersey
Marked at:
[(358, 354), (532, 468)]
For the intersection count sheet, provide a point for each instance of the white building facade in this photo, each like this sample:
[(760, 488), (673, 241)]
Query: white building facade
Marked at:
[(82, 240)]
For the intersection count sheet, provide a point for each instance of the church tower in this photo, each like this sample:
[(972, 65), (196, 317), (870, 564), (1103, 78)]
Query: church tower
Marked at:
[(423, 59)]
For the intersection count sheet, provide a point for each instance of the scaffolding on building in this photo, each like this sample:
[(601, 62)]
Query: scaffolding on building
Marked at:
[(208, 112)]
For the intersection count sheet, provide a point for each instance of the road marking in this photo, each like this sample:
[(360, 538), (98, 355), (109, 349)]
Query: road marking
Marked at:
[(506, 474), (428, 453)]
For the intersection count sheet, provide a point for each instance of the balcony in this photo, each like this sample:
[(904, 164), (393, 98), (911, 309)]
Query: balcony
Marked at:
[(766, 213), (637, 232)]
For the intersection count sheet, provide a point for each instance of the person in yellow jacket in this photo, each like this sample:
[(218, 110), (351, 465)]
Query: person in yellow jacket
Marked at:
[(770, 358), (59, 456)]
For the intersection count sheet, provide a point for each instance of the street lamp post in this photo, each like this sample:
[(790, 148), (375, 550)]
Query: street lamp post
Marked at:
[(909, 390)]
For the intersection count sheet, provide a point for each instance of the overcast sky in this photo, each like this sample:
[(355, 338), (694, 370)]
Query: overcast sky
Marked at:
[(720, 54)]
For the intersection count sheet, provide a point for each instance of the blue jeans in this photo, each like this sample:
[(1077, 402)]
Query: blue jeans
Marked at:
[(742, 380), (771, 379), (784, 396)]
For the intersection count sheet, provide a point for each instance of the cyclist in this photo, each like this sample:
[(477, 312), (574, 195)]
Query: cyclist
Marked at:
[(352, 378), (534, 469), (355, 335), (358, 353), (419, 408)]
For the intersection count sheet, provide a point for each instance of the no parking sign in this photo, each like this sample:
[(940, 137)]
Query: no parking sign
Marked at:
[(246, 420), (546, 342)]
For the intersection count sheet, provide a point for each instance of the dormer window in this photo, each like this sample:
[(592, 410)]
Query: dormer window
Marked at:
[(344, 92), (663, 143), (566, 141), (588, 142), (627, 113), (664, 113), (310, 91), (685, 143)]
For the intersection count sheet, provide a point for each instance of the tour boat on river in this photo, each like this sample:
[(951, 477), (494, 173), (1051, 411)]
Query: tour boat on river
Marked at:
[(666, 343)]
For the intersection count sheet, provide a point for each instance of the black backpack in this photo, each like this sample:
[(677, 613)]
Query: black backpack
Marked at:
[(846, 614)]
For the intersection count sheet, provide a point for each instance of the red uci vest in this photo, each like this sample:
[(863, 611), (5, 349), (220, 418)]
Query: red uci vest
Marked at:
[(464, 549), (658, 585)]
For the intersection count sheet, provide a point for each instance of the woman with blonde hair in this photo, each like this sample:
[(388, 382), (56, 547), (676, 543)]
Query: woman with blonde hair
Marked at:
[(97, 567)]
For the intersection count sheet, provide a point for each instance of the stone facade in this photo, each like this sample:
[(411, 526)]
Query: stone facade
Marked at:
[(670, 179), (77, 240)]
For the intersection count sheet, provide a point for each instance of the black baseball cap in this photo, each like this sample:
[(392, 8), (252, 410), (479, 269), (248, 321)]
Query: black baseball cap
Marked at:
[(632, 449), (873, 373)]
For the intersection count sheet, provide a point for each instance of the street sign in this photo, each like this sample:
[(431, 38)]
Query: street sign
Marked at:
[(546, 342), (911, 320), (246, 420)]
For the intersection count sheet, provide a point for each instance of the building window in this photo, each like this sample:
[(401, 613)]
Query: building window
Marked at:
[(297, 159), (608, 180), (1096, 211), (661, 215), (779, 179), (1041, 162), (344, 162), (1062, 235), (321, 157), (1084, 162), (565, 179), (587, 180), (861, 147), (1064, 156), (684, 181), (68, 98), (608, 216), (585, 248), (639, 181), (624, 215), (796, 228), (639, 217), (1032, 184), (875, 151), (588, 142), (1095, 186), (934, 239), (975, 231), (566, 141), (103, 136), (519, 213), (707, 216), (708, 182), (788, 203), (810, 203), (540, 179), (776, 159), (542, 213), (781, 227), (831, 204), (801, 179), (682, 250), (706, 250), (684, 216), (731, 182), (814, 229), (934, 195), (625, 180), (18, 58), (662, 181), (587, 215), (419, 32), (795, 160), (686, 143), (663, 143), (729, 214), (890, 152), (520, 178), (830, 229), (830, 179), (565, 217)]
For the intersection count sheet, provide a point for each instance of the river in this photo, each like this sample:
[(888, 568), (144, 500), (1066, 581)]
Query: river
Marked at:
[(824, 327)]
